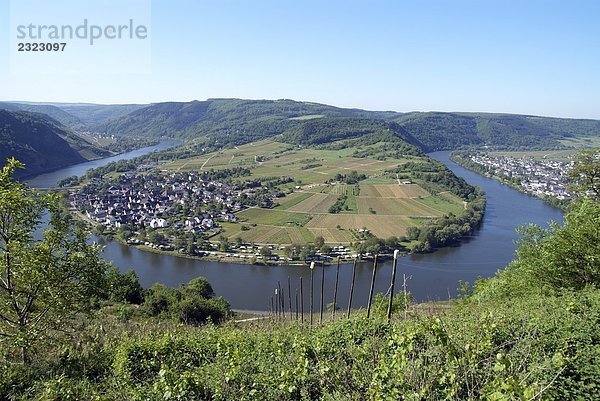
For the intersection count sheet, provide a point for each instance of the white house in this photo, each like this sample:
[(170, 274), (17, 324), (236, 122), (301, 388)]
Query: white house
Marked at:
[(158, 223)]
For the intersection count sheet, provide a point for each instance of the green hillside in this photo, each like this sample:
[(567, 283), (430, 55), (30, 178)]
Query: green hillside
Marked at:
[(42, 143), (93, 114), (237, 121), (54, 112)]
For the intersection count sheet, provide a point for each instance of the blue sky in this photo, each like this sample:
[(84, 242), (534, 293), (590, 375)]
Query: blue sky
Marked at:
[(529, 57)]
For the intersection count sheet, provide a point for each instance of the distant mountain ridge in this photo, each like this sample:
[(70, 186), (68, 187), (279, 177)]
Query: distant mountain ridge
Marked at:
[(238, 121), (78, 116), (41, 142), (225, 122)]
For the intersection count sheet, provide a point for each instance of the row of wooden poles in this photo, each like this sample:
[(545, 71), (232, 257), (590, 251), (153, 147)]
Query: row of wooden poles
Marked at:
[(278, 301)]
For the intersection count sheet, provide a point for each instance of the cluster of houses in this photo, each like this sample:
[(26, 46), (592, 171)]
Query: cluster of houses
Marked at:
[(159, 201), (538, 177)]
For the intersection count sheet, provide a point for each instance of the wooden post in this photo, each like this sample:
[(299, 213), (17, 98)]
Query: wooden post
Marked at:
[(301, 302), (351, 289), (296, 303), (290, 296), (405, 295), (279, 304), (389, 311), (272, 307), (372, 287), (337, 276), (322, 291), (312, 276)]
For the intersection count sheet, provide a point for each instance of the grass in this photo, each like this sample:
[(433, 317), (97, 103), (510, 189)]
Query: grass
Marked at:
[(393, 206), (582, 142), (350, 205), (381, 226), (308, 117), (274, 235), (273, 217), (317, 203), (442, 204), (293, 199), (333, 235)]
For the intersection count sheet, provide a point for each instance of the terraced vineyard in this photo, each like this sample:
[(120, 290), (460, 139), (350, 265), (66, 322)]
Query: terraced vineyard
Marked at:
[(384, 205)]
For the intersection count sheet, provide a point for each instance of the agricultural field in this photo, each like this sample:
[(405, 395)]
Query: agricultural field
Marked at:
[(316, 203), (383, 205)]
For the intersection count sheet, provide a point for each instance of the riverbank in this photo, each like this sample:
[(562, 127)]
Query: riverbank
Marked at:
[(557, 203), (431, 276), (50, 179)]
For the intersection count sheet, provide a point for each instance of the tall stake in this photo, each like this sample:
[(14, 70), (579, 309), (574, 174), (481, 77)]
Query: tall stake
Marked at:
[(391, 300), (405, 295), (337, 276), (272, 307), (296, 303), (312, 276), (372, 286), (301, 302), (280, 301), (290, 296), (322, 290), (276, 303), (351, 289)]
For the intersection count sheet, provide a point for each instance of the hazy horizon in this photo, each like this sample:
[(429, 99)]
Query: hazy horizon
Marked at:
[(532, 58), (296, 100)]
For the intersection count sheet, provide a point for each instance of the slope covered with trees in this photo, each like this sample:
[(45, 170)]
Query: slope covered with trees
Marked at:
[(41, 143), (53, 112), (236, 121)]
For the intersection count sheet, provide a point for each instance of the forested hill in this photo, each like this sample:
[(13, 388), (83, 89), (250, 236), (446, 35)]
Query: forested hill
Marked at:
[(40, 142), (54, 112), (236, 121), (325, 130), (78, 116), (231, 120)]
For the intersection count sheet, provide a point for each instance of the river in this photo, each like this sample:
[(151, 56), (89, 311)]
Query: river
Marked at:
[(433, 276), (49, 180)]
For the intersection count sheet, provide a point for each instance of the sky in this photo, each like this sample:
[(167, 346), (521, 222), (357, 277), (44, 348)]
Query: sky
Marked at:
[(525, 57)]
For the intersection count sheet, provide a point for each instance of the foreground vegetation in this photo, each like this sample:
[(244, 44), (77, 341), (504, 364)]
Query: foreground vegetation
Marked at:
[(531, 332)]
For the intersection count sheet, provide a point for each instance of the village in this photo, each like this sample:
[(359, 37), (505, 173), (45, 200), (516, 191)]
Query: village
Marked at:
[(541, 178), (182, 203), (178, 212)]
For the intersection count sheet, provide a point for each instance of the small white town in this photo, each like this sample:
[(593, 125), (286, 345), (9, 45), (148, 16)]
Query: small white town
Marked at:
[(543, 177)]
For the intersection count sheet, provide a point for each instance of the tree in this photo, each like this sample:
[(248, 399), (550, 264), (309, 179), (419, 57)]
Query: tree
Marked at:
[(223, 243), (180, 242), (156, 238), (412, 232), (567, 255), (44, 282), (585, 174), (319, 242), (124, 287), (199, 287), (190, 248)]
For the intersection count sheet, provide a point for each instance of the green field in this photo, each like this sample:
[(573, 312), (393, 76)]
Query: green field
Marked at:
[(293, 199), (273, 217), (382, 204)]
